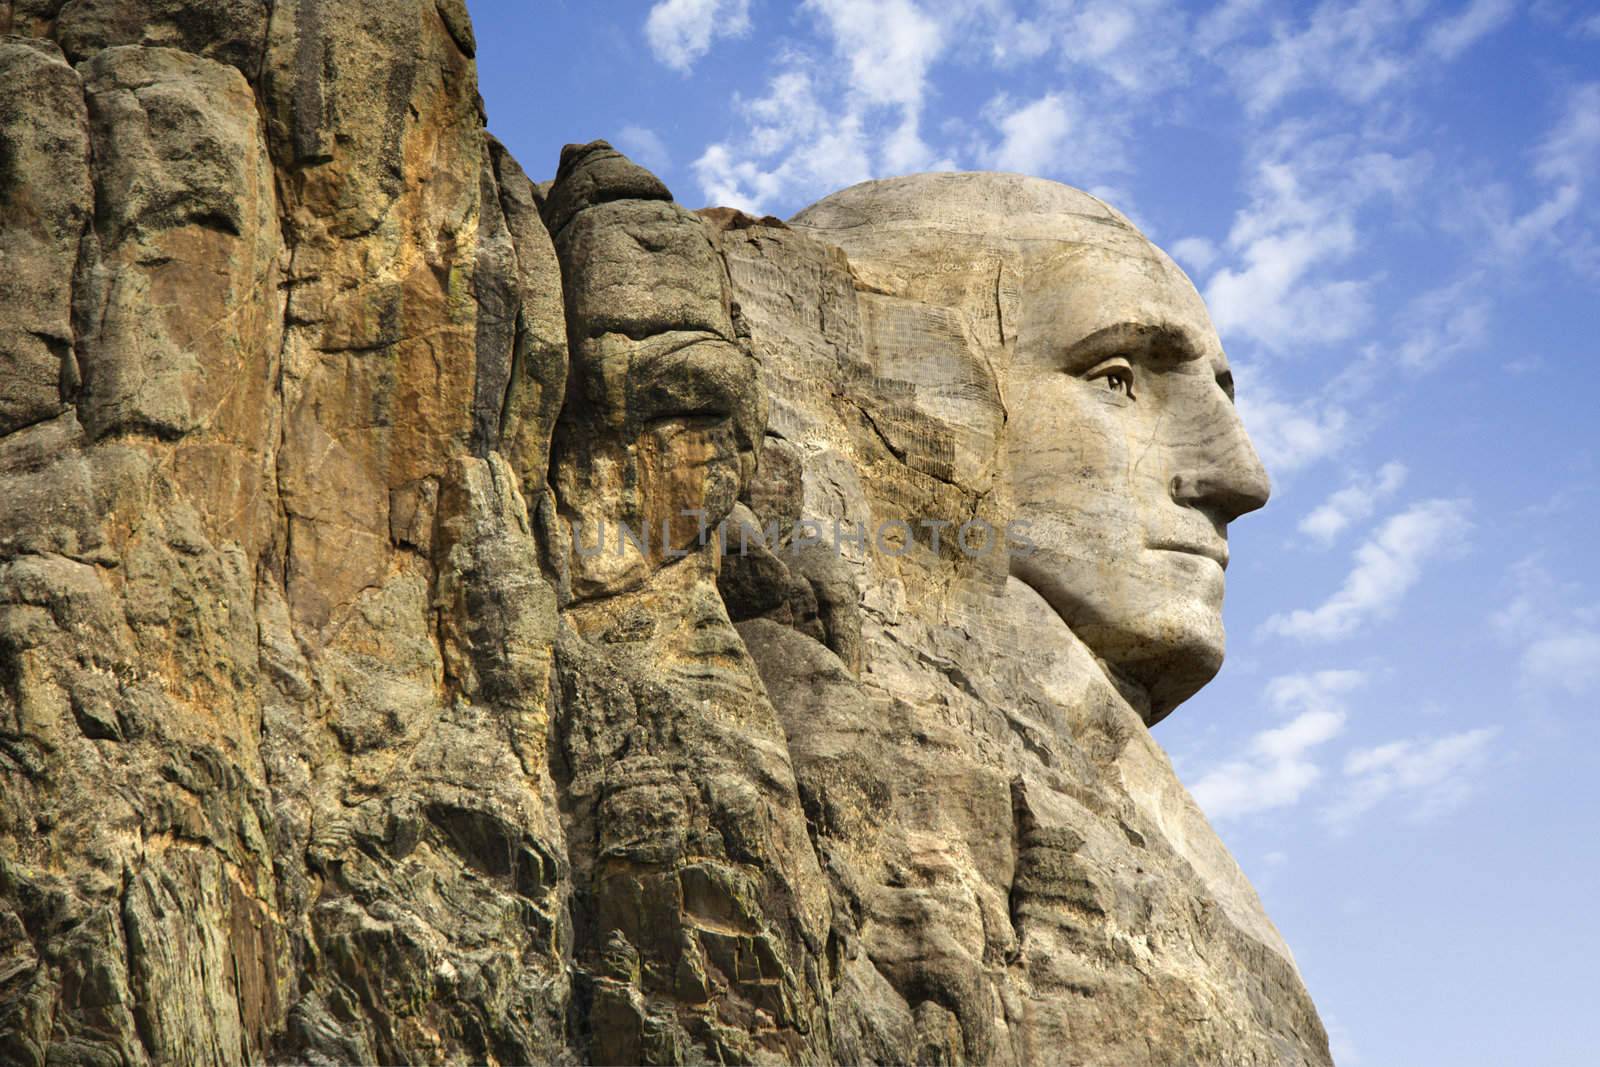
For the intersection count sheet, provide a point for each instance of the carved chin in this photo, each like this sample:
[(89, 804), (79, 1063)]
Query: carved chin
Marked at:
[(1173, 670), (1167, 643)]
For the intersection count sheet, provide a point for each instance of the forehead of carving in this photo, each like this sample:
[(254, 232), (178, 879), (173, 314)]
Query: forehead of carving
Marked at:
[(961, 239), (904, 229), (1071, 262), (978, 204), (1082, 291)]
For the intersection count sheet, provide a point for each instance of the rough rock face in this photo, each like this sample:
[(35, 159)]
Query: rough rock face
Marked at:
[(370, 689)]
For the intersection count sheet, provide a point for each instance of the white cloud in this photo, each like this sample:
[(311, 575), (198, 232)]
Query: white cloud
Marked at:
[(645, 147), (1444, 321), (1031, 136), (820, 128), (1291, 692), (1448, 38), (1344, 1050), (1306, 194), (1560, 643), (1226, 23), (1432, 776), (1107, 47), (1289, 434), (1280, 766), (1567, 153), (1055, 135), (1286, 240), (1528, 611), (1346, 48), (1569, 661), (1277, 768), (1195, 253), (1137, 45), (995, 32), (889, 44), (1563, 162), (793, 146), (1102, 29), (1352, 504), (1386, 567), (681, 31), (1266, 780), (1517, 236)]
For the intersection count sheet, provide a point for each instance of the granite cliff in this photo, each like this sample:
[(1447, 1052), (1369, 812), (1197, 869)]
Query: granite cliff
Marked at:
[(338, 724)]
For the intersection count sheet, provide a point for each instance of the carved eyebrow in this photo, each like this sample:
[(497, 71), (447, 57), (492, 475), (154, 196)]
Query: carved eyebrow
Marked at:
[(1133, 338)]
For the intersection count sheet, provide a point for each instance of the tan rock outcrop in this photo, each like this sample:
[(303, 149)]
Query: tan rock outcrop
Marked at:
[(374, 686)]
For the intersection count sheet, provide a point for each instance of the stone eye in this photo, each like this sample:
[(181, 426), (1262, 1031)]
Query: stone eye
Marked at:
[(1116, 374)]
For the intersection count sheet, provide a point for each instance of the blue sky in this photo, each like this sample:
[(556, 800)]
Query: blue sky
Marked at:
[(1393, 210)]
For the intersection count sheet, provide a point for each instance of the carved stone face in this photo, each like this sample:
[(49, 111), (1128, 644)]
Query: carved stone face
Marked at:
[(664, 409), (1127, 460)]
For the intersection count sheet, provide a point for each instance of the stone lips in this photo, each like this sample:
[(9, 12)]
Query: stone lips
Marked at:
[(319, 742)]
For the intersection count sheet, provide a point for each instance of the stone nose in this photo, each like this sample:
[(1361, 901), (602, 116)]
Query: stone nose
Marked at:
[(1223, 477)]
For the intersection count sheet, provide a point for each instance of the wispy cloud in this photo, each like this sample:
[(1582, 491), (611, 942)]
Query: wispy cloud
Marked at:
[(1354, 503), (644, 146), (793, 143), (1557, 633), (1445, 320), (1569, 661), (1283, 288), (1348, 49), (1449, 37), (1431, 776), (1126, 47), (1280, 766), (890, 45), (681, 31), (1054, 135), (1031, 135), (1340, 1043), (1563, 163), (1354, 51), (1277, 767), (1386, 567), (1136, 45), (820, 126), (1279, 294), (1289, 433), (1196, 254)]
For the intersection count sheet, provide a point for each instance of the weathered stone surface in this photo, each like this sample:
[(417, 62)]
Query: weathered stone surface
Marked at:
[(664, 411), (327, 737), (275, 771), (28, 18), (229, 31), (45, 202), (178, 294)]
